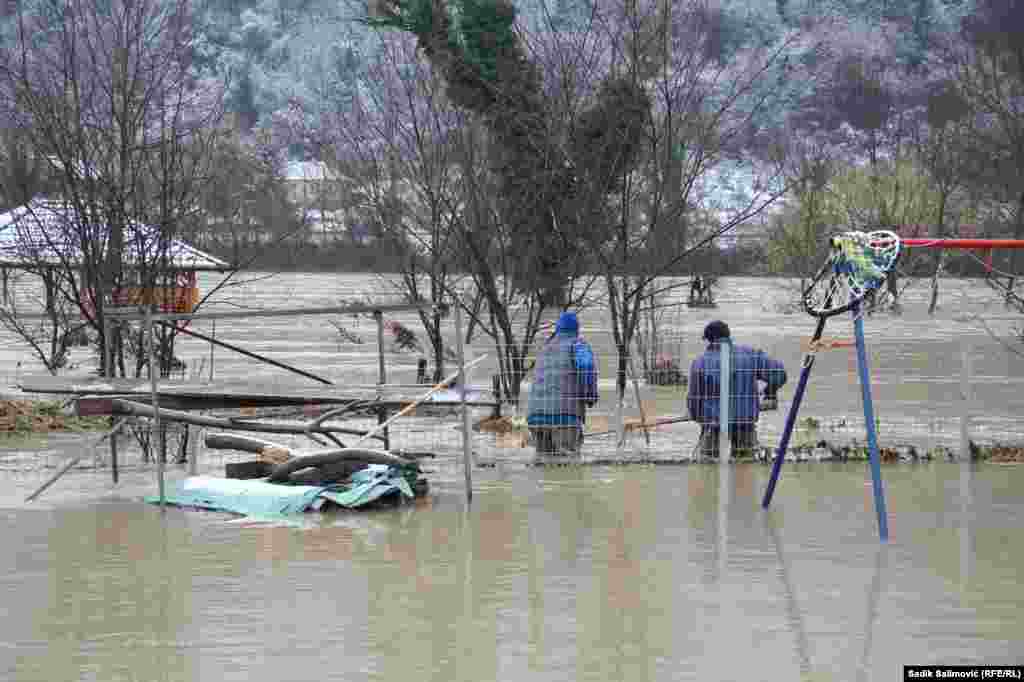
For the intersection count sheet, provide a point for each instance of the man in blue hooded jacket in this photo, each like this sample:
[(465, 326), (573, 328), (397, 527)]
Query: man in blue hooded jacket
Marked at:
[(749, 366), (564, 385)]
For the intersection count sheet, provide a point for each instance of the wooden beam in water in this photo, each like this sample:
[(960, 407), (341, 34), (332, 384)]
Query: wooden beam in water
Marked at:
[(134, 409), (92, 405)]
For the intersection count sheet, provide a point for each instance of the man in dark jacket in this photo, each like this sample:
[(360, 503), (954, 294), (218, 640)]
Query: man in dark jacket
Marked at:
[(564, 385), (749, 366)]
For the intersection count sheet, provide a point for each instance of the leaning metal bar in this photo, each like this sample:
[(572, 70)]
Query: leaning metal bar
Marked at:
[(75, 460), (413, 405), (250, 354), (794, 408), (869, 423)]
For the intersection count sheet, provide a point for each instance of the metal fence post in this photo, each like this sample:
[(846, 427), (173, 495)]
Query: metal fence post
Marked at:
[(381, 375), (467, 444), (155, 435), (195, 435), (108, 360), (213, 335), (724, 395)]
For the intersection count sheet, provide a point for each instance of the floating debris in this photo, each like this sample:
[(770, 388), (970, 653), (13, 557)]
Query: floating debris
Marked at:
[(43, 416), (372, 485), (666, 372), (997, 452)]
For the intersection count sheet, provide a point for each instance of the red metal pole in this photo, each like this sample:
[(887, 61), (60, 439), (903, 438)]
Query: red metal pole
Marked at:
[(964, 243)]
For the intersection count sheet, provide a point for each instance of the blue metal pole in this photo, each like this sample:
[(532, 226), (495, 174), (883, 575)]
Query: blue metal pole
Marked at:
[(794, 408), (869, 420)]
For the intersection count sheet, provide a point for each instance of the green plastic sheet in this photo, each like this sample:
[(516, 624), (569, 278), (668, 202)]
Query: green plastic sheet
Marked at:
[(257, 497)]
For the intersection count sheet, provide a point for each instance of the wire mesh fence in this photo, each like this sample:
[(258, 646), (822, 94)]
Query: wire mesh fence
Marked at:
[(915, 364), (918, 384)]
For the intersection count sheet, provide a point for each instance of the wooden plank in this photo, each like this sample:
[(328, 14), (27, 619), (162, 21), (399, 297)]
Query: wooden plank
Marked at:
[(104, 386), (282, 312), (93, 391)]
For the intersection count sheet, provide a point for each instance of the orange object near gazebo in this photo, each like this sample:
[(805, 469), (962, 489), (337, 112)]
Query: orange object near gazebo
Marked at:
[(182, 297)]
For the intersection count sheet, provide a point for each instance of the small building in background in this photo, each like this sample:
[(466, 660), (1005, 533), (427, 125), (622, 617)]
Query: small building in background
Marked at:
[(47, 238)]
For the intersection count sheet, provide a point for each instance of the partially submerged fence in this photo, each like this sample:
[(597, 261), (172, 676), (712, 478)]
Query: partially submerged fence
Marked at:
[(937, 386), (385, 401), (926, 396)]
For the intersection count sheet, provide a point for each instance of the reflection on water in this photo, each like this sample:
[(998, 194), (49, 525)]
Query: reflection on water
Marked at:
[(595, 574)]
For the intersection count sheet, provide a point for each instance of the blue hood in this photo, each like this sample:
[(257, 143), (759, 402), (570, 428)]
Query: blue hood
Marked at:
[(567, 325)]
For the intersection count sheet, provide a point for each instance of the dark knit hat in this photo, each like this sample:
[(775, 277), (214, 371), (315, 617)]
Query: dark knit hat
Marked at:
[(716, 330)]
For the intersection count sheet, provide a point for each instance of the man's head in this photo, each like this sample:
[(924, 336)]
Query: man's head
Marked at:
[(567, 324), (716, 331)]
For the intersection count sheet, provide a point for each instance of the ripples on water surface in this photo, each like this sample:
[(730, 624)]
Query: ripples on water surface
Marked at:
[(602, 574), (625, 573)]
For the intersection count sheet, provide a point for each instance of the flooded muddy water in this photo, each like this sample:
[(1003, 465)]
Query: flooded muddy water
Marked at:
[(586, 573), (624, 573)]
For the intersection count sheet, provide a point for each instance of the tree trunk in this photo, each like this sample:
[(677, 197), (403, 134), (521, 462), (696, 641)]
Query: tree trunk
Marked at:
[(934, 303), (939, 259), (621, 370), (1018, 233), (892, 285)]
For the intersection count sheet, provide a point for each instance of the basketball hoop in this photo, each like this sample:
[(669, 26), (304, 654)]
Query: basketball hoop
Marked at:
[(858, 263)]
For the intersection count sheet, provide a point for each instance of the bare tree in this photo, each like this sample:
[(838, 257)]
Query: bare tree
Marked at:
[(986, 65), (594, 146), (245, 205), (699, 116), (393, 148), (518, 239), (943, 154), (107, 99), (797, 237)]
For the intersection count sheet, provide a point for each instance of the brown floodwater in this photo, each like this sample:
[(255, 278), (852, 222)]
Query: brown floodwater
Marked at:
[(620, 573), (587, 573)]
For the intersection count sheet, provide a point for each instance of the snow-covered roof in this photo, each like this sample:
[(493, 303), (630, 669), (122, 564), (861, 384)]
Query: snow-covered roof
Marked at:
[(308, 170), (43, 232)]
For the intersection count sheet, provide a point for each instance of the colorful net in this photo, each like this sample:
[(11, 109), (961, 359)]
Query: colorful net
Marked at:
[(865, 258), (858, 264)]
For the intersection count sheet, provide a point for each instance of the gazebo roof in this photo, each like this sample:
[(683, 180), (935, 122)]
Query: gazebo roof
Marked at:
[(38, 234)]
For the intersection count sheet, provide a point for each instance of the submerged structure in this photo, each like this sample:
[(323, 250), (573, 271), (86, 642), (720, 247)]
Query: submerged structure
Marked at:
[(373, 485)]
